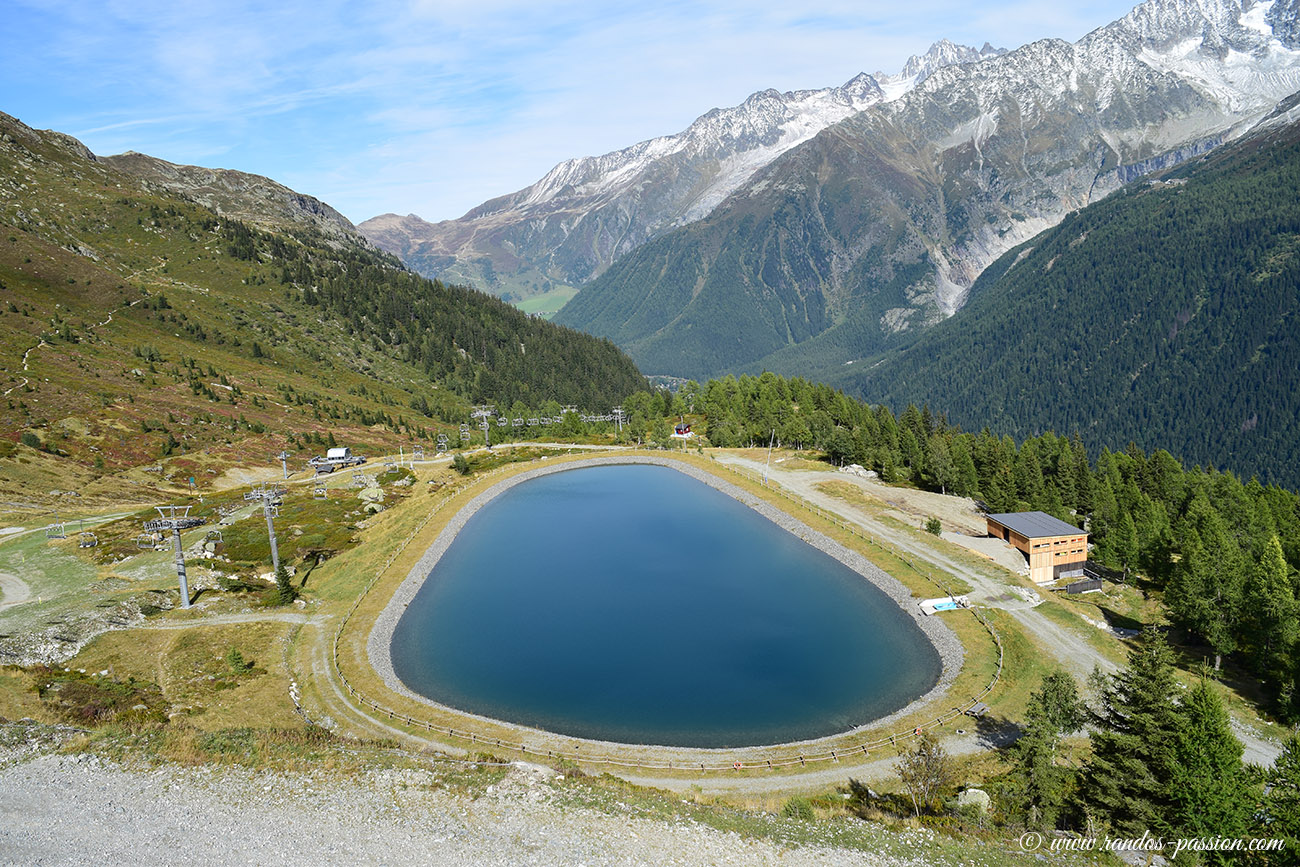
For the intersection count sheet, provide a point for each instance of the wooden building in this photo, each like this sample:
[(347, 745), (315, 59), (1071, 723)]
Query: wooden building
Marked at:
[(1054, 548)]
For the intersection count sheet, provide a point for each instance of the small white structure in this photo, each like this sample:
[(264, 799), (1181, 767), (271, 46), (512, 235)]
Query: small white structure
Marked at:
[(943, 603)]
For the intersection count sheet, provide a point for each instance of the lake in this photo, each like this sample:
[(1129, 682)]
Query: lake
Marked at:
[(632, 603)]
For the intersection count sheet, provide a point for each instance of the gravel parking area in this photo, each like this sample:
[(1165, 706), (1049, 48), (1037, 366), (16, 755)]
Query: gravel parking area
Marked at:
[(57, 809)]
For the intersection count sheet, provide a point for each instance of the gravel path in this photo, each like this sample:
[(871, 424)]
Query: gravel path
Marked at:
[(84, 810), (228, 619), (13, 590)]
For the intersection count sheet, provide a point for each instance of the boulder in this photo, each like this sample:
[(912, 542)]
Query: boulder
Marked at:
[(977, 798)]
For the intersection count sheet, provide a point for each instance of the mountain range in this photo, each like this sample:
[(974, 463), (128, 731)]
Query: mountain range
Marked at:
[(806, 230), (876, 227), (1164, 316), (585, 213)]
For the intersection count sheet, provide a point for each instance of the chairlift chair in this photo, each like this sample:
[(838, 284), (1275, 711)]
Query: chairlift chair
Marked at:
[(146, 541), (87, 540), (319, 493)]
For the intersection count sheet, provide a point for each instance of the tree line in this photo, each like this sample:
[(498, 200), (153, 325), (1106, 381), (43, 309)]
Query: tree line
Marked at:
[(1222, 552), (1163, 762), (1162, 315), (466, 342)]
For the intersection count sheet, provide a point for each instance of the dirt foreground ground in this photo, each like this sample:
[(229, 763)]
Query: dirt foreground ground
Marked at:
[(83, 810)]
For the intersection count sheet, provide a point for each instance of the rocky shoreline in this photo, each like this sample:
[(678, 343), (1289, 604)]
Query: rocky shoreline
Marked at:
[(945, 642)]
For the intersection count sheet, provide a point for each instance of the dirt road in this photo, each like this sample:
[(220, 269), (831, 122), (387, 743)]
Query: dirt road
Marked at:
[(1074, 652)]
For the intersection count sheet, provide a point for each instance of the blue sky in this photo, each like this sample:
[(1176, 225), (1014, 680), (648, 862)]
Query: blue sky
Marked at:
[(433, 106)]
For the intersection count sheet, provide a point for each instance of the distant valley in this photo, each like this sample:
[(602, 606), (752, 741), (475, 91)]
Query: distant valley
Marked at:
[(837, 249)]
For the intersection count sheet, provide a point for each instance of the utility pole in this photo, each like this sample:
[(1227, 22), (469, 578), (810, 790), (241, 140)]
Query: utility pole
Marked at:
[(271, 498), (768, 468), (175, 519), (484, 412)]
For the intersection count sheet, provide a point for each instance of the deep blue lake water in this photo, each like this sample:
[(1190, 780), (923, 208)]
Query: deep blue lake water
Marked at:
[(635, 604)]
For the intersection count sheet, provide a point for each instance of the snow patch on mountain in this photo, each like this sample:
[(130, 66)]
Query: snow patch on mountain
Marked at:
[(1256, 18), (1235, 59), (741, 139)]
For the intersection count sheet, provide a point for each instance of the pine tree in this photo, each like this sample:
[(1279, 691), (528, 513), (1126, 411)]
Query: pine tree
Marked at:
[(1125, 544), (1039, 786), (1273, 615), (1204, 594), (966, 479), (1280, 815), (284, 589), (1210, 793), (1137, 723)]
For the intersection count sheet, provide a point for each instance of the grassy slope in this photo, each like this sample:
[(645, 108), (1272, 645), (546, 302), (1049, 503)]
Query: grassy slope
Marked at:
[(130, 326), (548, 303), (104, 359)]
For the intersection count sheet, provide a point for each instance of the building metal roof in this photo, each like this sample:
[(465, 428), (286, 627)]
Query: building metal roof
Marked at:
[(1034, 525)]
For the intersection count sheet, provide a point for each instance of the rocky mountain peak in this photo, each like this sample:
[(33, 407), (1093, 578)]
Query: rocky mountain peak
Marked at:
[(941, 54), (251, 198), (585, 212)]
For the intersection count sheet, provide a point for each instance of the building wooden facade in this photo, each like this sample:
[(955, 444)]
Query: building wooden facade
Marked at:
[(1053, 548)]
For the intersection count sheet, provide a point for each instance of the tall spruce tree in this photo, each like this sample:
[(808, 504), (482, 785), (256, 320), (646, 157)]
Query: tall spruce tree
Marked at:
[(1137, 723), (1039, 787), (1210, 792), (1204, 593), (1273, 616), (1279, 816)]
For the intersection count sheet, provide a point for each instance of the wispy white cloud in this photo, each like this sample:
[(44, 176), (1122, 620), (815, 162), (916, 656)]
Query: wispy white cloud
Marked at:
[(432, 106)]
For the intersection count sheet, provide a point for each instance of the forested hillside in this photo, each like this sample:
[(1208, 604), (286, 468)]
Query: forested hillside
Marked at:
[(137, 325), (1165, 315), (1222, 553)]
